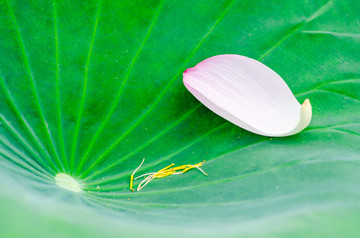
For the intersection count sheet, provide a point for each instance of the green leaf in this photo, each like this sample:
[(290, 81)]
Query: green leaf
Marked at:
[(90, 88)]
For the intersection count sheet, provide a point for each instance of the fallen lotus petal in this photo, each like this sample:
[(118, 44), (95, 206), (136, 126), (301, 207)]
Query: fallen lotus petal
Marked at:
[(248, 94)]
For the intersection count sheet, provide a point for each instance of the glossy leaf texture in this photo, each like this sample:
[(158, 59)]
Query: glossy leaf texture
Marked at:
[(90, 88)]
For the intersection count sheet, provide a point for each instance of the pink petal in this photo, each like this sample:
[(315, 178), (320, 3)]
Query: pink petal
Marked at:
[(248, 94)]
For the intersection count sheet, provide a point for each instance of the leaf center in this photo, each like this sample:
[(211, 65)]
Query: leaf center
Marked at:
[(67, 182)]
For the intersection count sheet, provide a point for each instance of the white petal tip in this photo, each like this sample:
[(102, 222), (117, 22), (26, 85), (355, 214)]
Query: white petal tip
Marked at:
[(304, 119), (305, 116)]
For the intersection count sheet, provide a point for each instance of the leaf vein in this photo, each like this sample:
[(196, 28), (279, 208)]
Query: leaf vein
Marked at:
[(82, 103), (317, 13)]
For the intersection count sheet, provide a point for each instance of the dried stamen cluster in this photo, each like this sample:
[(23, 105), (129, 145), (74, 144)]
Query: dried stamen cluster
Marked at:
[(162, 173)]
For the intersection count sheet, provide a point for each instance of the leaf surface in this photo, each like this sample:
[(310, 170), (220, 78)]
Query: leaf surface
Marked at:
[(90, 88)]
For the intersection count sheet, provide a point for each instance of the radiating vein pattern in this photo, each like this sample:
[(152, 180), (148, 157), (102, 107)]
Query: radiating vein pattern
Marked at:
[(167, 87), (118, 95), (33, 87)]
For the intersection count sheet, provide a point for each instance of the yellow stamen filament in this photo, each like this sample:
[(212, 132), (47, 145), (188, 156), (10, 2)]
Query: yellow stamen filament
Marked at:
[(144, 175), (162, 173), (165, 168), (132, 175)]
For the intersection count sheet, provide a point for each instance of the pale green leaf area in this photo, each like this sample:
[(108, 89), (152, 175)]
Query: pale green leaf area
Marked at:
[(90, 88)]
